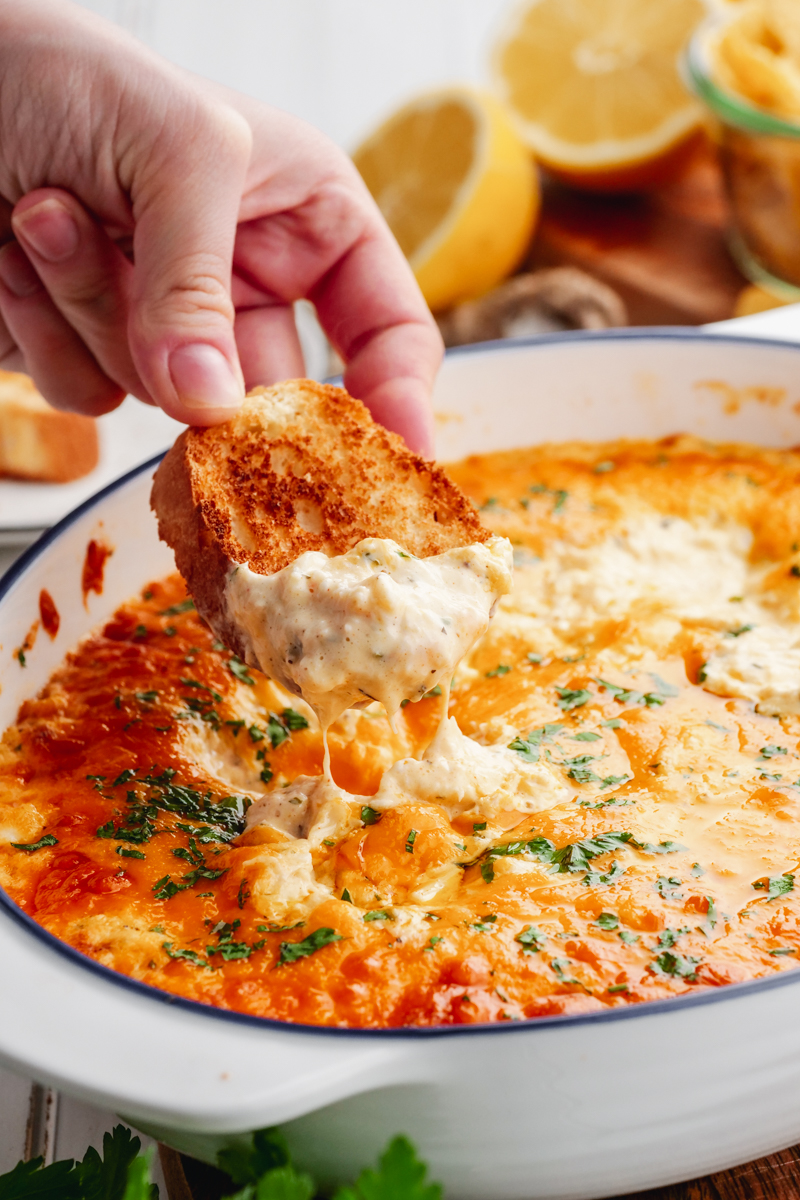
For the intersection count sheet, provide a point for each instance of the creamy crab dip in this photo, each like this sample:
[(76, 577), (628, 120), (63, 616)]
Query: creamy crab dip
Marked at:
[(607, 813), (374, 624)]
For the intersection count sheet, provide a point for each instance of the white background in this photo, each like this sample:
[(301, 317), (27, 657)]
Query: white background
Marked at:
[(340, 64)]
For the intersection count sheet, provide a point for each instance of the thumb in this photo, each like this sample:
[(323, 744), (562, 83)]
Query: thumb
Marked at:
[(185, 192)]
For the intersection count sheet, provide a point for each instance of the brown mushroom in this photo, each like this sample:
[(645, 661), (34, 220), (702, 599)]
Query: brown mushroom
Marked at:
[(557, 298)]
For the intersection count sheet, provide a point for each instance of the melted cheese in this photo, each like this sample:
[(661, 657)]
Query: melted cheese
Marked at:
[(610, 815), (374, 624), (761, 664)]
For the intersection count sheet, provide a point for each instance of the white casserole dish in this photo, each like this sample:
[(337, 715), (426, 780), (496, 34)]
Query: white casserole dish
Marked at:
[(583, 1106)]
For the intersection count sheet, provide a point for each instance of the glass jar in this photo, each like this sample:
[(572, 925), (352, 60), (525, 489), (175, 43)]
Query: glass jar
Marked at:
[(760, 157)]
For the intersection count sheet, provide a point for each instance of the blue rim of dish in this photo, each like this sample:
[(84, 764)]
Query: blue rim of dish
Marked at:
[(646, 1008)]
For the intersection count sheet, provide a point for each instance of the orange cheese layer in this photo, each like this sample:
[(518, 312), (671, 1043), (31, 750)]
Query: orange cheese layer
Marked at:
[(663, 862)]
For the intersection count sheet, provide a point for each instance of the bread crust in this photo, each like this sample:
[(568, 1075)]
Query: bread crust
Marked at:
[(302, 466), (41, 443)]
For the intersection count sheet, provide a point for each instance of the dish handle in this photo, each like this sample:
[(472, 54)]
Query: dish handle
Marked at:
[(305, 1073)]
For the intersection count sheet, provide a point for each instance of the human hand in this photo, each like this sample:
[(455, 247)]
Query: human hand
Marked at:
[(132, 189)]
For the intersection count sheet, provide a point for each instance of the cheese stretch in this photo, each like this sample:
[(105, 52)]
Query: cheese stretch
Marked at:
[(608, 811)]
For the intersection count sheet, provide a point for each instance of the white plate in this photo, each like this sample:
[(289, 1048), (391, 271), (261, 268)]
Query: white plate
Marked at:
[(128, 436), (562, 1107)]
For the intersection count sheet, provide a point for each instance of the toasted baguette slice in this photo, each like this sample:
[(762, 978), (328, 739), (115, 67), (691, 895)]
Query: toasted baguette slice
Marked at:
[(39, 442), (301, 466)]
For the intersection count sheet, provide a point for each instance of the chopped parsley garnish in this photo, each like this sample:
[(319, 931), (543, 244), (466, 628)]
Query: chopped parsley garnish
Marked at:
[(292, 951), (775, 885), (485, 924), (238, 669), (500, 669), (783, 950), (677, 965), (607, 920), (614, 723), (347, 897), (598, 879), (378, 914), (711, 917), (125, 853), (667, 847), (293, 720), (573, 857), (166, 887), (433, 942), (667, 887), (772, 751), (187, 955), (569, 698), (227, 947), (609, 801), (205, 834), (629, 696), (412, 837), (175, 610), (627, 937), (146, 697), (531, 939), (478, 826), (740, 629), (202, 687), (576, 855), (613, 781), (583, 775), (369, 815), (579, 760), (243, 895), (159, 793), (560, 966), (190, 853), (585, 736), (265, 774), (49, 839), (529, 747)]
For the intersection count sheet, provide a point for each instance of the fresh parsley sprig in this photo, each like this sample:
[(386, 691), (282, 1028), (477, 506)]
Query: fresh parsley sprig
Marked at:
[(259, 1169)]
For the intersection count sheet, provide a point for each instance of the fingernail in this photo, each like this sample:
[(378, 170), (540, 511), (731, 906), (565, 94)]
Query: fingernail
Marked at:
[(16, 272), (49, 229), (204, 379)]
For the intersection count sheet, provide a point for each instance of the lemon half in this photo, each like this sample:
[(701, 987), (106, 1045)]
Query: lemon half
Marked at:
[(458, 188), (594, 85)]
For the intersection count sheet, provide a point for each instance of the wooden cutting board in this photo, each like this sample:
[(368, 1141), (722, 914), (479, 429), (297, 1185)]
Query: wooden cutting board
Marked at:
[(664, 253)]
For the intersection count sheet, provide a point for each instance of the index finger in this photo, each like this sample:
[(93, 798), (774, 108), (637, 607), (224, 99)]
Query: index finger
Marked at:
[(374, 314)]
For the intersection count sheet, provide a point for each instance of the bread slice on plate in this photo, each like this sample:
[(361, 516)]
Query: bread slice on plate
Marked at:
[(38, 442), (302, 466)]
